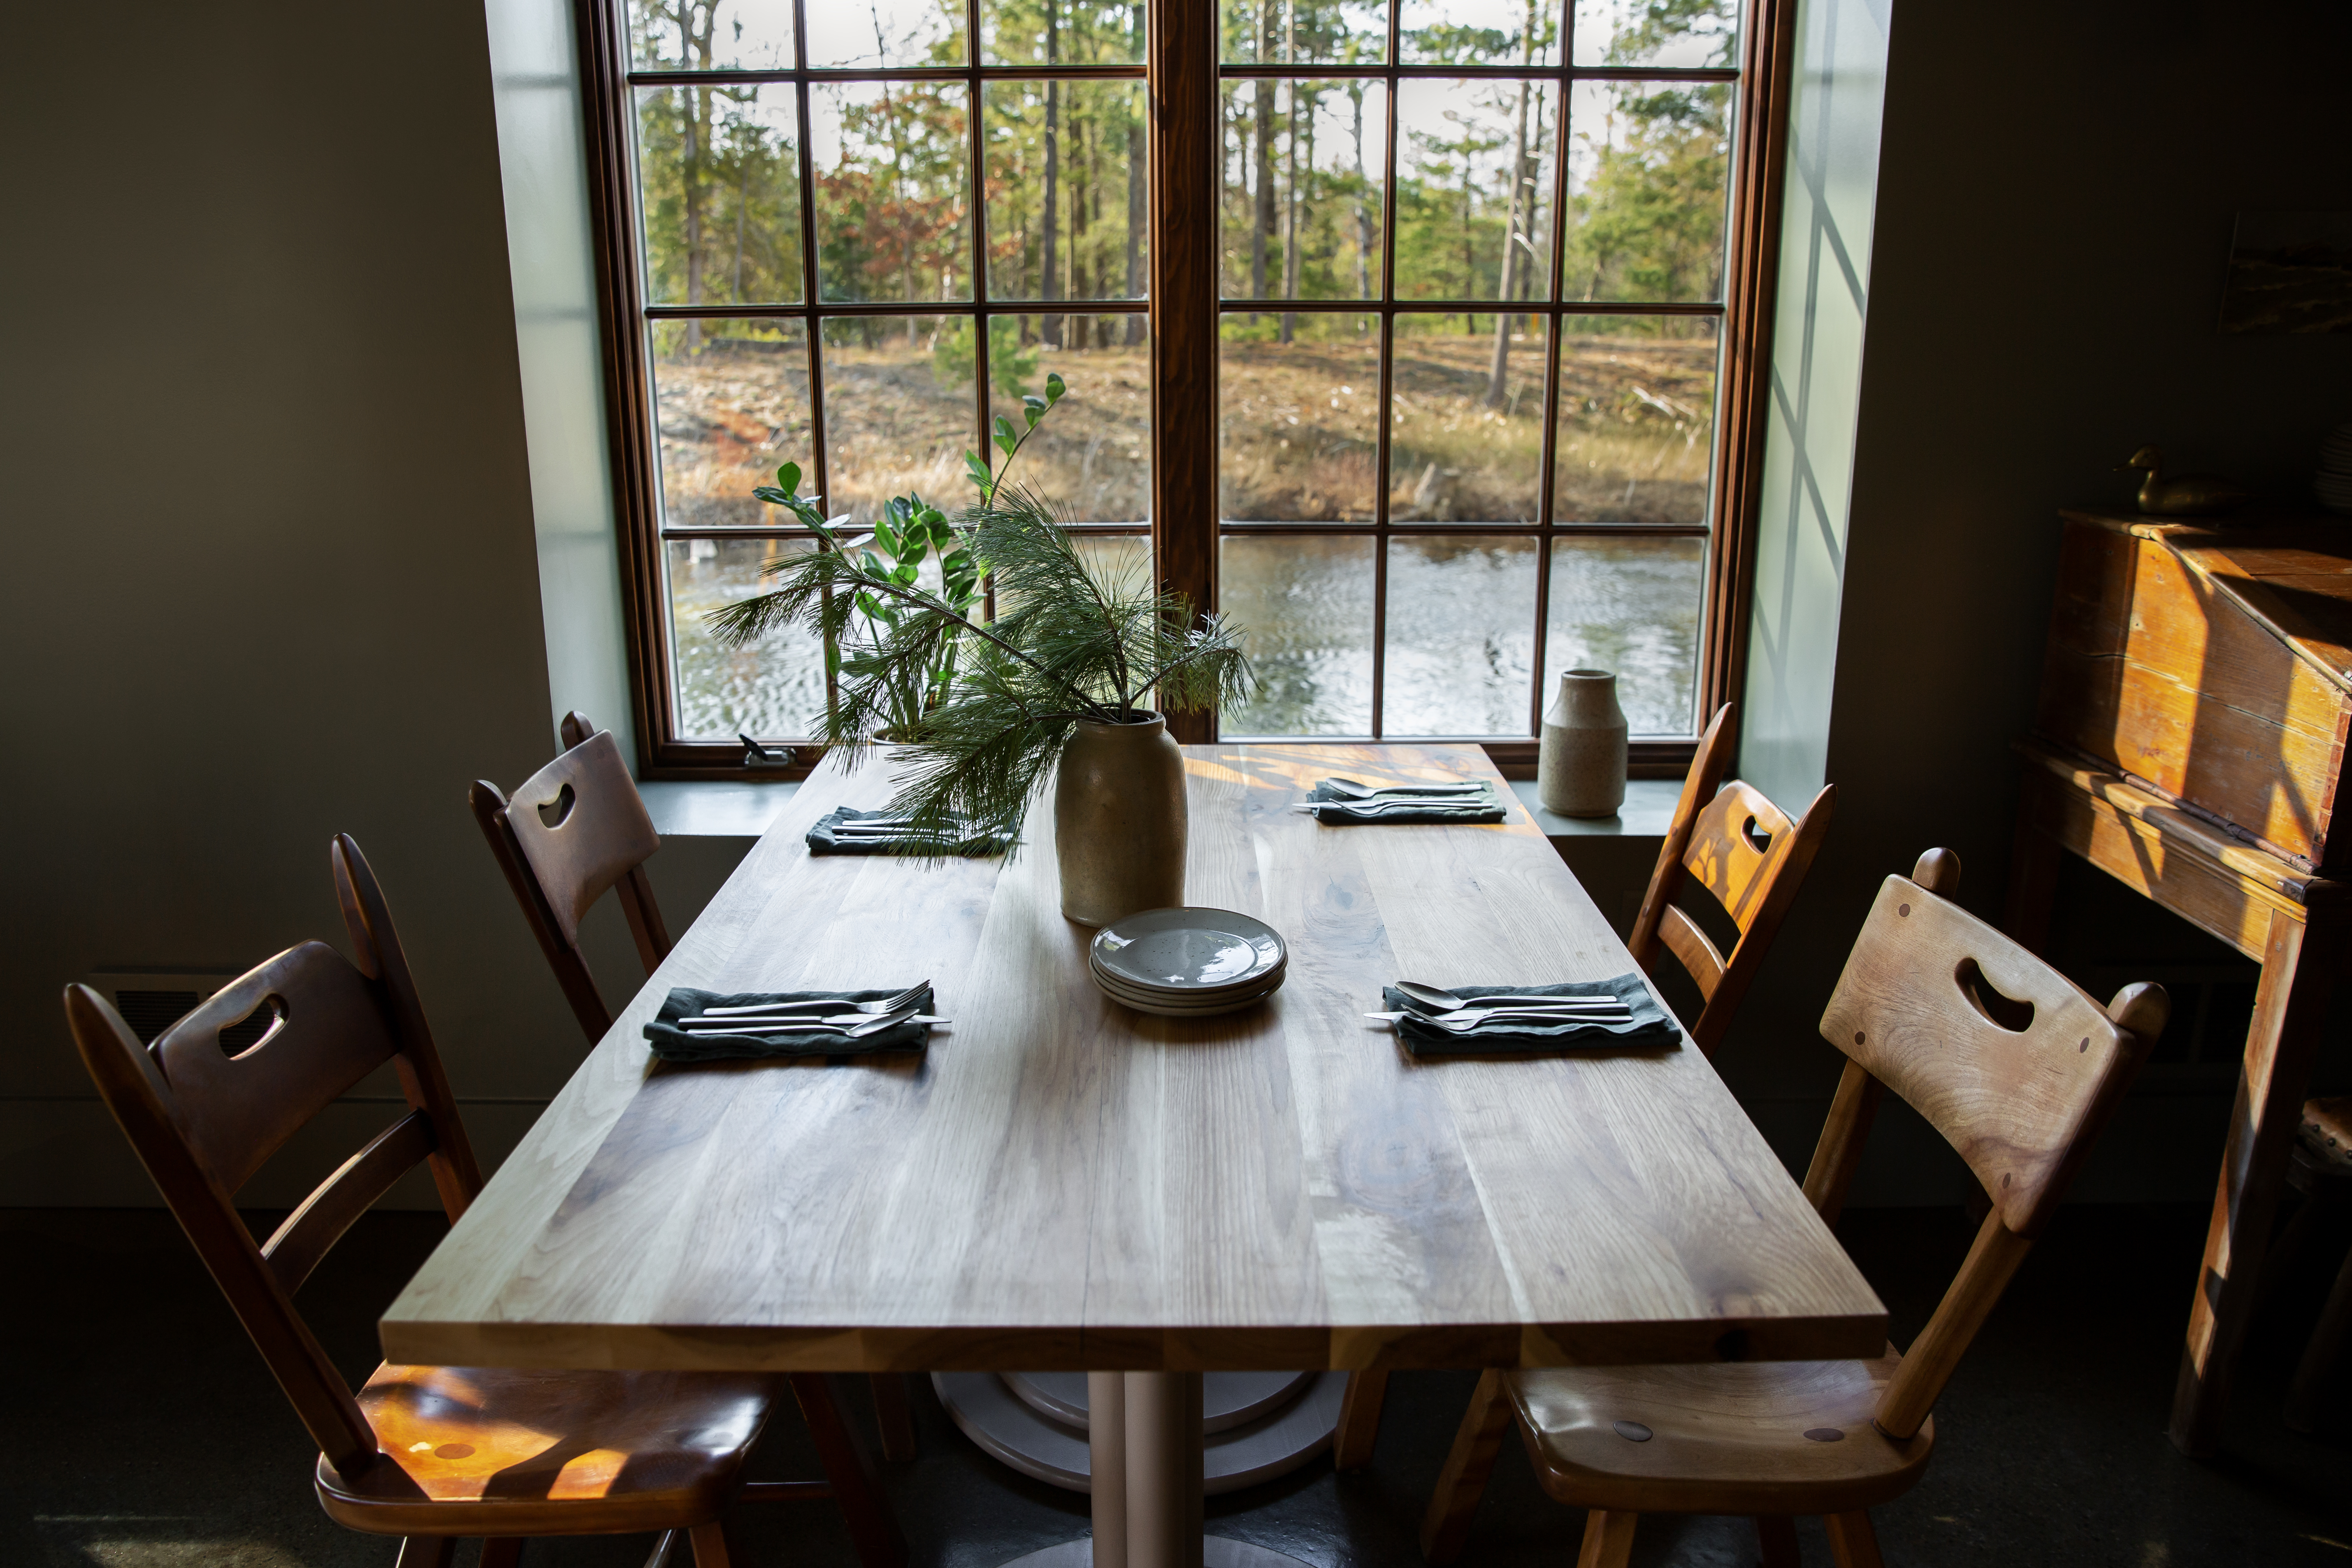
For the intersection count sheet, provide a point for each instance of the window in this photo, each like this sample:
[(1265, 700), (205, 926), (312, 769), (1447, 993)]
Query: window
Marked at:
[(1462, 297)]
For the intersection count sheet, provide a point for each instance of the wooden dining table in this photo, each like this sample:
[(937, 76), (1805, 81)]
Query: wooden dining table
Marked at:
[(1059, 1183)]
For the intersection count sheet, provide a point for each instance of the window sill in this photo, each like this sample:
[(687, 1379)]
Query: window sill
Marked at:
[(717, 809), (713, 808), (1648, 810)]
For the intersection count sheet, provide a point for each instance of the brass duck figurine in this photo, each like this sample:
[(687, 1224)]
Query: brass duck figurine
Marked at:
[(2183, 495)]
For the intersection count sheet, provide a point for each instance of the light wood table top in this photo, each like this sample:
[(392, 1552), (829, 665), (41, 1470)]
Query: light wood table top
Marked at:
[(1064, 1184)]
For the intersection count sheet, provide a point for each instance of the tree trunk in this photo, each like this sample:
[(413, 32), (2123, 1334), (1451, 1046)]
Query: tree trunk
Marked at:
[(693, 45), (1137, 155), (1052, 324), (1522, 200), (1363, 217), (1290, 221), (1081, 194), (1262, 92)]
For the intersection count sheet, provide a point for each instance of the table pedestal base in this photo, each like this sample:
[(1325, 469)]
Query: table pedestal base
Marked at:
[(1259, 1426), (1216, 1551), (1143, 1434)]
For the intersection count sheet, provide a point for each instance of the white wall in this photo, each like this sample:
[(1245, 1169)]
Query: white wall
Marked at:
[(535, 87), (1837, 100)]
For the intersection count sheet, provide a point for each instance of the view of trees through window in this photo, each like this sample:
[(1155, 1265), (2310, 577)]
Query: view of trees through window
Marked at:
[(1407, 561), (1473, 256)]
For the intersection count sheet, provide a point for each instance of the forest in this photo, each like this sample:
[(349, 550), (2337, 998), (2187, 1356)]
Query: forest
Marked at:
[(1482, 220)]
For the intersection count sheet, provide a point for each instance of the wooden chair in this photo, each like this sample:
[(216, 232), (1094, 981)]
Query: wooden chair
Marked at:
[(1752, 859), (427, 1453), (1749, 857), (571, 832), (574, 830), (2018, 1069)]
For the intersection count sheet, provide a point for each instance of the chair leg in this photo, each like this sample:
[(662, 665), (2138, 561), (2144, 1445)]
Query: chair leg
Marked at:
[(427, 1551), (855, 1490), (1607, 1539), (501, 1551), (1776, 1536), (713, 1546), (665, 1548), (893, 1415), (1360, 1420), (1462, 1479), (1853, 1542), (2321, 1355), (2288, 1246)]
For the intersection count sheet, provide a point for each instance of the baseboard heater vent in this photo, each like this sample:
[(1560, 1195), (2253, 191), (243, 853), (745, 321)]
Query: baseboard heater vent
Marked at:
[(152, 1001)]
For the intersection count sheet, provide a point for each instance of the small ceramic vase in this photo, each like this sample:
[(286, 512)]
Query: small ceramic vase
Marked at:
[(1118, 821), (1580, 763)]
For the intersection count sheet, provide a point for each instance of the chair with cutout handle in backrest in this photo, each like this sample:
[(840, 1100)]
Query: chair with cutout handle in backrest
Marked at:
[(1746, 854), (432, 1453), (1752, 859), (571, 832), (2018, 1070)]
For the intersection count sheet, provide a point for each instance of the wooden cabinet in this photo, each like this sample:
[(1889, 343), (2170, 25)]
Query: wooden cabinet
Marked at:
[(2216, 667), (2189, 742)]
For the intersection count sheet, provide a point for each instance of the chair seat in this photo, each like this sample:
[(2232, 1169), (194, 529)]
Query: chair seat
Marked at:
[(1724, 1438), (506, 1452), (2327, 1131)]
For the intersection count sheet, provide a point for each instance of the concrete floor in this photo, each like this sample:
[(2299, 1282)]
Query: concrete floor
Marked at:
[(138, 1428)]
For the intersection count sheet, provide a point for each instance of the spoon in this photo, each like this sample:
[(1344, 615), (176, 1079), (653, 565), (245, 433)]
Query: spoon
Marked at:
[(1350, 789), (1430, 996)]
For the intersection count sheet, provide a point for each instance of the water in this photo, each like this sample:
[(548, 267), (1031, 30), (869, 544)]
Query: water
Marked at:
[(1460, 659)]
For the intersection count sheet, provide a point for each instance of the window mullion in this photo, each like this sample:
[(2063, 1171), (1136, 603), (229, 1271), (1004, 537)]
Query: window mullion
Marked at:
[(1184, 142)]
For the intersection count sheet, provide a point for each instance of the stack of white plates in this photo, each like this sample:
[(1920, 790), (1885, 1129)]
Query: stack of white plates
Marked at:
[(1188, 963), (2334, 485)]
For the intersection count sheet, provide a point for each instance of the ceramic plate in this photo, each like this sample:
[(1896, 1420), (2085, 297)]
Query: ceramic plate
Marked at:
[(1104, 963), (1187, 954), (1169, 1009), (1127, 990)]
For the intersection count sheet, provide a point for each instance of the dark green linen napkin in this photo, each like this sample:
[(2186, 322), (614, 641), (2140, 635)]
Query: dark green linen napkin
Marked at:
[(1334, 810), (673, 1044), (823, 840), (1649, 1027)]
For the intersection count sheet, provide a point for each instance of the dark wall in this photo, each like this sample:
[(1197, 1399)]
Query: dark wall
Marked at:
[(2056, 192), (270, 567)]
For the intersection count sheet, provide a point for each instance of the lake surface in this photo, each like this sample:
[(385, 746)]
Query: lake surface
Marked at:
[(1460, 659)]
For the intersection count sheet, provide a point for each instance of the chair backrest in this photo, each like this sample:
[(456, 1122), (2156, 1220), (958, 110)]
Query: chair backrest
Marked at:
[(203, 1122), (572, 831), (1748, 855), (2014, 1064)]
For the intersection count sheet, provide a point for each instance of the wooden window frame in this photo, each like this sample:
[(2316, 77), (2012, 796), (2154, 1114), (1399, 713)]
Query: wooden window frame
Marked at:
[(1182, 75)]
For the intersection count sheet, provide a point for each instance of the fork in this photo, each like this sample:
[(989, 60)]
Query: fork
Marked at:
[(1354, 790), (800, 1025), (1456, 1025), (1414, 802), (847, 1031), (821, 1005)]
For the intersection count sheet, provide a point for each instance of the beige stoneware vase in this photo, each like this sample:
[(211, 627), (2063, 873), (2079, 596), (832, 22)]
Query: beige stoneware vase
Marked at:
[(1580, 762), (1118, 821)]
